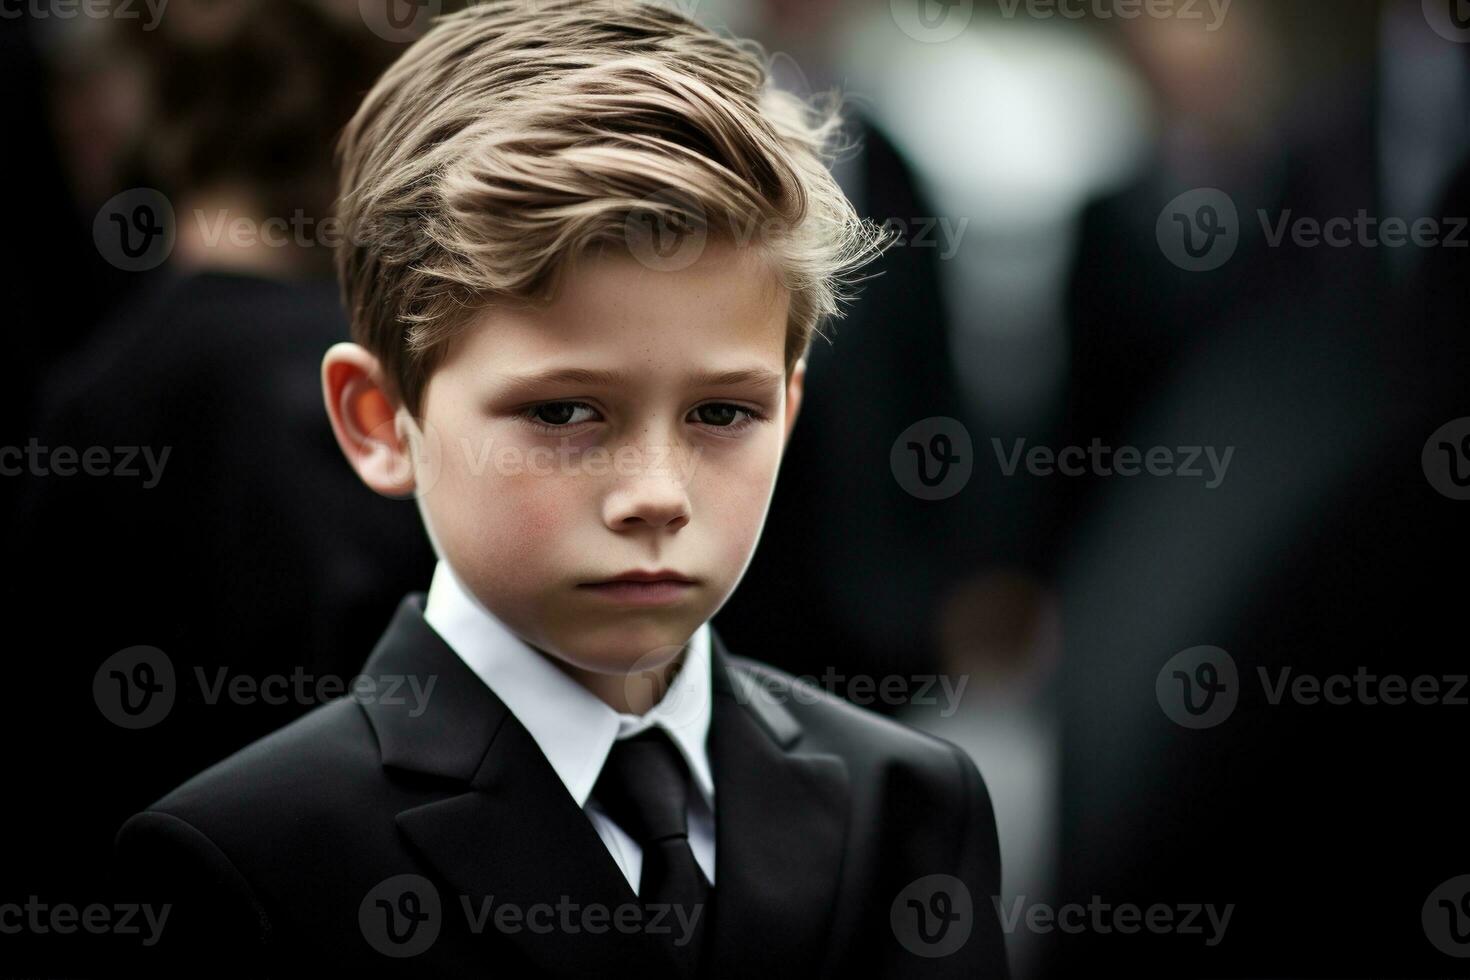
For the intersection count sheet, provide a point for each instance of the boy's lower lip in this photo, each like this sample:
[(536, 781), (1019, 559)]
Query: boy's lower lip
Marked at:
[(641, 593)]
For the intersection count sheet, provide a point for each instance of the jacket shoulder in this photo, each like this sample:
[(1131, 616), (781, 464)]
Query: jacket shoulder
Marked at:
[(926, 791), (861, 736), (298, 772)]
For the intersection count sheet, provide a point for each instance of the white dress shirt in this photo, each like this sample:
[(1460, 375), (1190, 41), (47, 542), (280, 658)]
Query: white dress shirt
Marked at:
[(573, 727)]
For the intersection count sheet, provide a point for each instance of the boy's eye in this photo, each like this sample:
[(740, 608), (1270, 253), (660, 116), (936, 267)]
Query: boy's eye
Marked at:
[(560, 414), (723, 416)]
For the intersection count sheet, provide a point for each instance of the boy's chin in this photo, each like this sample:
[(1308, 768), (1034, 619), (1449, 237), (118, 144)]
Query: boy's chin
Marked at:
[(624, 648), (630, 676), (624, 658)]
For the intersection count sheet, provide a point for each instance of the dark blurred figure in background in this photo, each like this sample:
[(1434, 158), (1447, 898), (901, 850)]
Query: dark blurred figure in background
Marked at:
[(1324, 369), (1381, 133), (65, 120), (240, 524), (1133, 315)]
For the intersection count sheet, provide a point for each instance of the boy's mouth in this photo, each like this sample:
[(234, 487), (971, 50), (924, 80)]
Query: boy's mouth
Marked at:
[(643, 588)]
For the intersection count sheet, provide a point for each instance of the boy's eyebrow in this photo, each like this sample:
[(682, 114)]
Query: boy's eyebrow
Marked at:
[(757, 376)]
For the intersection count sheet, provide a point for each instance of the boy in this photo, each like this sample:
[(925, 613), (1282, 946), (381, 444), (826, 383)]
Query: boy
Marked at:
[(587, 249)]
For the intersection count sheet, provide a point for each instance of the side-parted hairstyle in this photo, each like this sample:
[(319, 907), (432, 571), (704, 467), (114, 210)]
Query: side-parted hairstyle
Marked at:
[(514, 136)]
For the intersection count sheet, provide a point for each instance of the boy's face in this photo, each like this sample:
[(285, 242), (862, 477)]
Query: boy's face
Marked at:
[(545, 487)]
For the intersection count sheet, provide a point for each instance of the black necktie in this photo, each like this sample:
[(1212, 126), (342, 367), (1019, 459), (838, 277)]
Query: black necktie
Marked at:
[(644, 787)]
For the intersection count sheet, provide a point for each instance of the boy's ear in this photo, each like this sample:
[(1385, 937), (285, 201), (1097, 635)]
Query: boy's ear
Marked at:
[(363, 420), (794, 388)]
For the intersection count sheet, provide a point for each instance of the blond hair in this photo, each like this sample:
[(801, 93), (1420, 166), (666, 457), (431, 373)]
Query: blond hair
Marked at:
[(514, 135)]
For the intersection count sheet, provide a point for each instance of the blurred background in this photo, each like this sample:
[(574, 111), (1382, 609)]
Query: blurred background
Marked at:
[(1152, 428)]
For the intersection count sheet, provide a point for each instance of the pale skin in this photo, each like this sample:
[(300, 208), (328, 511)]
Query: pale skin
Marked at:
[(532, 487)]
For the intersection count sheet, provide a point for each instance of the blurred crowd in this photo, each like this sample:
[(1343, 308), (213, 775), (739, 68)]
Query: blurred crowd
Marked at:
[(1173, 233)]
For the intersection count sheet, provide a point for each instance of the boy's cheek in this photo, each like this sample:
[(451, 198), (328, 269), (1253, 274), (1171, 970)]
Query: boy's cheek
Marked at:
[(741, 494), (484, 519), (503, 477), (737, 527)]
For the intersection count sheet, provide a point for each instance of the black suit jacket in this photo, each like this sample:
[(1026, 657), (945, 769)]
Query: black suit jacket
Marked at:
[(825, 813)]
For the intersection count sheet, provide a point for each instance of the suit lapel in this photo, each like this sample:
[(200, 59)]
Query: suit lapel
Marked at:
[(513, 836), (517, 838), (512, 833), (781, 824)]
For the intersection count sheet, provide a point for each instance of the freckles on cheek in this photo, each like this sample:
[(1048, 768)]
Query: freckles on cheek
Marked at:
[(545, 513)]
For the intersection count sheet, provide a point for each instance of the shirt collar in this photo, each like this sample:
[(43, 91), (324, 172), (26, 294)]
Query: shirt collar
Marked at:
[(573, 727)]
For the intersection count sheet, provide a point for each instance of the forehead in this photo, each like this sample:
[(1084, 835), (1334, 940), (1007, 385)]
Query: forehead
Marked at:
[(614, 310)]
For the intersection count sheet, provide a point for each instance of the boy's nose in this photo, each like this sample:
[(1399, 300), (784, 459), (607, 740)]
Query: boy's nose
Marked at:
[(657, 500)]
